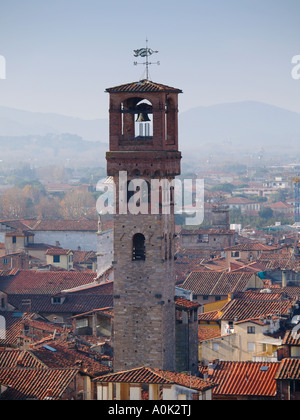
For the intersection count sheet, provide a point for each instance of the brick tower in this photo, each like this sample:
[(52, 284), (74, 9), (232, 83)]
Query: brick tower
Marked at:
[(144, 145)]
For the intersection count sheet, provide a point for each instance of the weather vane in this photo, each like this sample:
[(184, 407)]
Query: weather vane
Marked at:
[(145, 52)]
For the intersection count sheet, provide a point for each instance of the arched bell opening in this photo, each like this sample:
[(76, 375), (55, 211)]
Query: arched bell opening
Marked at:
[(137, 119), (144, 120)]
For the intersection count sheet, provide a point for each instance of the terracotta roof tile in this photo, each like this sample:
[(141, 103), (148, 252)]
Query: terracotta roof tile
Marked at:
[(84, 257), (279, 261), (241, 309), (44, 282), (142, 86), (209, 316), (147, 375), (18, 358), (33, 383), (58, 251), (73, 304), (216, 283), (82, 224), (61, 356), (19, 233), (289, 369), (291, 338), (184, 303), (251, 246), (14, 327), (244, 379), (208, 333)]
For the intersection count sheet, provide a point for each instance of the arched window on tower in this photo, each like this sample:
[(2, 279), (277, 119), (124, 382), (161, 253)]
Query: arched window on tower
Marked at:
[(138, 247), (144, 120)]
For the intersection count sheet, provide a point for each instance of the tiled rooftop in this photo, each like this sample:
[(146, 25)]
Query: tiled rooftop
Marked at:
[(216, 283), (147, 375), (14, 327), (19, 358), (207, 333), (142, 86), (185, 304), (289, 369), (80, 225), (243, 379), (292, 338), (251, 246), (60, 354), (58, 251), (44, 282), (73, 304), (33, 383), (241, 309)]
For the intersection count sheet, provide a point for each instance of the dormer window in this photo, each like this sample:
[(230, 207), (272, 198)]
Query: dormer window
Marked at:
[(57, 300)]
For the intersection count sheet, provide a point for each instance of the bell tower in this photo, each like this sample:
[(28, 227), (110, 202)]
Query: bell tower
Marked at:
[(144, 150)]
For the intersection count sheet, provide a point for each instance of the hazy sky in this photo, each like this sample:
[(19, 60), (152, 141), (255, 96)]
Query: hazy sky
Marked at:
[(62, 54)]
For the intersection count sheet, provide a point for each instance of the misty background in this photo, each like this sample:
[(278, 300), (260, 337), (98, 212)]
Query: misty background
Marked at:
[(231, 59)]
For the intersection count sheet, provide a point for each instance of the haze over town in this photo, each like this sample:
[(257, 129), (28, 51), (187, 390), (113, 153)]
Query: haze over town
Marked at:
[(148, 306)]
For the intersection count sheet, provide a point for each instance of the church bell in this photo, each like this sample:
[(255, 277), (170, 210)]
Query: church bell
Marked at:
[(143, 117)]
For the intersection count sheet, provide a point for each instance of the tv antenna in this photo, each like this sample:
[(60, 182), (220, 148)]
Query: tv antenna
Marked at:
[(145, 52)]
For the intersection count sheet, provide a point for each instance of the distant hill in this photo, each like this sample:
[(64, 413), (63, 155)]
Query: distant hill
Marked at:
[(225, 130), (241, 126), (14, 122), (52, 149)]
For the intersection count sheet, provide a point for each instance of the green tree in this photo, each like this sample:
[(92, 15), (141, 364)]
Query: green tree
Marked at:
[(266, 213)]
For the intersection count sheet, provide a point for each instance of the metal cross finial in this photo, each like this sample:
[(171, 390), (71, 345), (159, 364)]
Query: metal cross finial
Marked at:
[(145, 52)]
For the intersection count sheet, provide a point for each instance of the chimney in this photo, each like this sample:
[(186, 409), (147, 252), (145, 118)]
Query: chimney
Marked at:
[(284, 280), (212, 367), (20, 361), (49, 394)]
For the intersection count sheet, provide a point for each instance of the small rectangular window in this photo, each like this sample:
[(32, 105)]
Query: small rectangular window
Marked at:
[(251, 347), (56, 258), (215, 347), (56, 300), (235, 254), (204, 238)]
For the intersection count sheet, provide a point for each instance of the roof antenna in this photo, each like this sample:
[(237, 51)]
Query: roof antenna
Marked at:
[(145, 52)]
